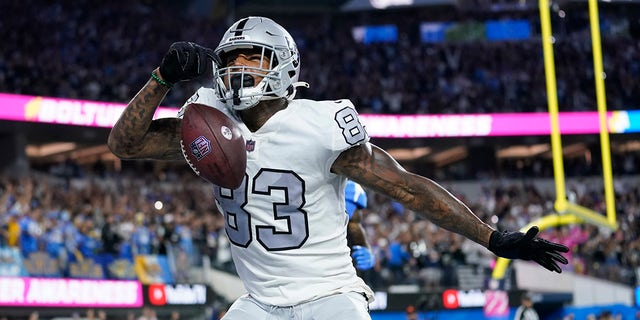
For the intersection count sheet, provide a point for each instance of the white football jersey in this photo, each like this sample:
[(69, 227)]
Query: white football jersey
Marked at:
[(287, 222)]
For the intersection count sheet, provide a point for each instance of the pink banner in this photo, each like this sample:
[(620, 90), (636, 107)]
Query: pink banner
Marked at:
[(66, 111), (509, 124), (103, 114), (55, 292), (478, 125)]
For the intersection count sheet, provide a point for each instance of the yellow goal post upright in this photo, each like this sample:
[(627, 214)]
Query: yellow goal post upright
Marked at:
[(565, 211)]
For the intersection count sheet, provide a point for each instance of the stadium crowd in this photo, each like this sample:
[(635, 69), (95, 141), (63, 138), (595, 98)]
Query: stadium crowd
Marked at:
[(72, 49), (170, 212)]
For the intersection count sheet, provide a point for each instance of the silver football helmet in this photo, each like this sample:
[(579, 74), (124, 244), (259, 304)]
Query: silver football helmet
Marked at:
[(234, 85)]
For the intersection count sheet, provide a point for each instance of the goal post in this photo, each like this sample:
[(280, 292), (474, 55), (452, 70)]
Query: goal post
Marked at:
[(561, 204), (565, 211)]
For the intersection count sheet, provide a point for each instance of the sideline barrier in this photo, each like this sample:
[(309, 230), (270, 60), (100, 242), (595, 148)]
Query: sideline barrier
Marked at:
[(52, 292)]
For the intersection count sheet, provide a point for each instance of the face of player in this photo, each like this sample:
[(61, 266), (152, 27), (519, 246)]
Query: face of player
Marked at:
[(253, 62)]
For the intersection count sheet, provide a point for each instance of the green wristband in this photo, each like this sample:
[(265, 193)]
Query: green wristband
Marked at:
[(160, 81)]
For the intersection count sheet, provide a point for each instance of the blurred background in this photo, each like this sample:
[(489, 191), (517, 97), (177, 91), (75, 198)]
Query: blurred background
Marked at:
[(453, 89)]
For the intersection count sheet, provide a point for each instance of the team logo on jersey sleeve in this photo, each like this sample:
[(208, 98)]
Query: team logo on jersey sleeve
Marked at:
[(200, 147)]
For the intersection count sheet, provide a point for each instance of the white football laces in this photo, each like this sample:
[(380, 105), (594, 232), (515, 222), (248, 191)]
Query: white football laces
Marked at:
[(184, 154)]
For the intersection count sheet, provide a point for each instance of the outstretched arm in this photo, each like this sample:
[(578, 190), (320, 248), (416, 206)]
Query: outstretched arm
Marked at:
[(374, 168)]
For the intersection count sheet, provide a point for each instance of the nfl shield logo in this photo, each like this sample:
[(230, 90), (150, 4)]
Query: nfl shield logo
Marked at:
[(200, 147), (251, 145)]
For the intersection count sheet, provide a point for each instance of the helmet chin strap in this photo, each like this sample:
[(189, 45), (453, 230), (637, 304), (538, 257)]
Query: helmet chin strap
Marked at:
[(295, 86), (301, 84)]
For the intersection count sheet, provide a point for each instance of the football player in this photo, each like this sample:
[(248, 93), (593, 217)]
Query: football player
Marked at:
[(288, 236), (355, 200)]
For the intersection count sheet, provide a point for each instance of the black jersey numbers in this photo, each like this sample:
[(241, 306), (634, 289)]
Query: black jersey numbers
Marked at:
[(352, 129)]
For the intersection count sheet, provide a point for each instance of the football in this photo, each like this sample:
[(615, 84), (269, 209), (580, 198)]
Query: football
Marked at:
[(213, 146)]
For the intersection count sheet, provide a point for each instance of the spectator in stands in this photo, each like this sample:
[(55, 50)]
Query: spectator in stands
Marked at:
[(167, 234), (71, 234), (198, 228), (185, 234), (30, 231), (411, 313), (526, 311), (378, 228), (212, 229), (34, 315), (89, 244), (398, 257), (430, 270), (109, 237), (110, 241), (142, 236), (11, 230), (223, 253), (148, 314), (54, 239)]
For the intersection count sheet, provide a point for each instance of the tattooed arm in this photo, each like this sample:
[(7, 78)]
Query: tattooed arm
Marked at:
[(137, 136), (374, 168)]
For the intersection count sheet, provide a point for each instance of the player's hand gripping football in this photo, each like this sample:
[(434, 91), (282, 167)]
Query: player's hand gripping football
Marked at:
[(518, 245), (186, 61)]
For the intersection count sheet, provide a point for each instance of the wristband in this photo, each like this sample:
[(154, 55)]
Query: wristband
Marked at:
[(160, 81)]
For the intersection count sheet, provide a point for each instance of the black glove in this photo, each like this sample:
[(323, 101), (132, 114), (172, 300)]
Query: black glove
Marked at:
[(517, 245), (186, 61)]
